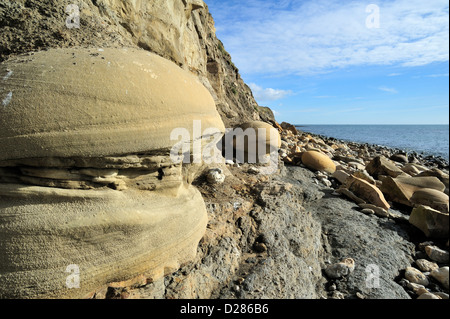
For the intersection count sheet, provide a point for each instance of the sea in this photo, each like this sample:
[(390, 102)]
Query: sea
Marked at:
[(423, 139)]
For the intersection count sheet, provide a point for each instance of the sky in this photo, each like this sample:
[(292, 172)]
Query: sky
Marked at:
[(341, 62)]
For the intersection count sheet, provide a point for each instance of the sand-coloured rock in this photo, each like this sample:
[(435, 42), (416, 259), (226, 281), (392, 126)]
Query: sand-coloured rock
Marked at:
[(443, 177), (431, 222), (253, 140), (380, 165), (114, 238), (431, 197), (401, 189), (88, 186), (318, 161), (366, 191), (76, 102)]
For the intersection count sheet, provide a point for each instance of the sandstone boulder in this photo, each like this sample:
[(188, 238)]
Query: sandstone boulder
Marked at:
[(366, 191), (317, 161), (341, 176), (442, 275), (289, 127), (443, 177), (117, 103), (410, 169), (431, 222), (380, 165), (89, 186), (401, 189), (252, 141), (431, 197), (400, 158)]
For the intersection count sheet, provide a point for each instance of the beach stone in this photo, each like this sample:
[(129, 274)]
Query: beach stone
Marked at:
[(441, 294), (216, 176), (414, 275), (349, 194), (380, 165), (317, 161), (380, 212), (416, 288), (341, 269), (400, 158), (426, 265), (289, 127), (246, 142), (362, 174), (432, 198), (366, 191), (368, 211), (410, 169), (441, 275), (401, 189), (437, 254), (341, 176), (443, 177), (433, 223), (429, 295)]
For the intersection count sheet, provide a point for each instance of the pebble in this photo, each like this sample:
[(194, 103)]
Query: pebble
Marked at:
[(253, 170), (414, 287), (368, 211), (216, 176), (428, 295), (441, 275), (443, 295), (415, 276), (337, 295), (437, 254), (229, 162), (341, 269), (360, 295)]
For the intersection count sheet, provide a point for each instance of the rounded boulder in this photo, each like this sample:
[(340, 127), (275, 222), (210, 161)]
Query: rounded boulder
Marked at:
[(318, 162)]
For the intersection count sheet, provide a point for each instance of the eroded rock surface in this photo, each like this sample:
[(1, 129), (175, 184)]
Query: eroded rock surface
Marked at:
[(87, 176)]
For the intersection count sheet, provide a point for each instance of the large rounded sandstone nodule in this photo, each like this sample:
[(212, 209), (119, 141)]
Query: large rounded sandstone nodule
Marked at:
[(253, 140), (318, 161), (89, 195), (86, 102)]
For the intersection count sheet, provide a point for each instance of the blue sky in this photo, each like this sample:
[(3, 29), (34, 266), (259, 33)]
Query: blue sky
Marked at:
[(329, 62)]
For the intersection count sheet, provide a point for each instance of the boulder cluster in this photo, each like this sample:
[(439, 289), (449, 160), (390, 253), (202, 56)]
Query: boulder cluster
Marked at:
[(383, 182)]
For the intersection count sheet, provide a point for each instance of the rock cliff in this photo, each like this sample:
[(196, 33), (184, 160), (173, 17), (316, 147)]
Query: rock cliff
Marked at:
[(179, 30)]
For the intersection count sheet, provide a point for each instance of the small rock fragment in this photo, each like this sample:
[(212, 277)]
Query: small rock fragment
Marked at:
[(416, 276), (216, 176), (441, 275), (341, 269), (437, 254)]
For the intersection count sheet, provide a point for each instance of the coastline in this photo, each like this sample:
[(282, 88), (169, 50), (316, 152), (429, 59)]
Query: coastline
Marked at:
[(286, 235), (421, 156)]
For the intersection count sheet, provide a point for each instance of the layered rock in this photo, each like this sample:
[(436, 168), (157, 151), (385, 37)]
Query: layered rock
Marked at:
[(182, 31), (88, 179)]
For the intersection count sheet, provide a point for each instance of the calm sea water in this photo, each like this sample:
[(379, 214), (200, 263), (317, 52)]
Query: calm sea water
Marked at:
[(426, 139)]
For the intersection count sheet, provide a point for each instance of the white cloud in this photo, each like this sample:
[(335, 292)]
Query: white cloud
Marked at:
[(389, 90), (438, 75), (304, 37), (266, 95)]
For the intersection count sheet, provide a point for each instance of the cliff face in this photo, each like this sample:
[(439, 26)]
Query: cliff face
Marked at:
[(180, 30)]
